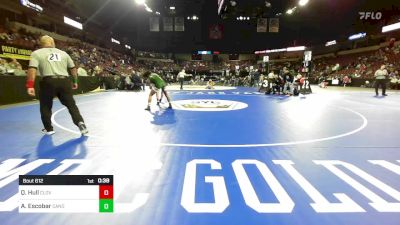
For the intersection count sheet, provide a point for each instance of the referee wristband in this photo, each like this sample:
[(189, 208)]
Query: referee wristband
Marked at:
[(30, 84)]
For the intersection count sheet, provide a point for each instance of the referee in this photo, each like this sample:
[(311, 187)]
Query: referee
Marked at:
[(53, 65), (181, 77), (380, 80)]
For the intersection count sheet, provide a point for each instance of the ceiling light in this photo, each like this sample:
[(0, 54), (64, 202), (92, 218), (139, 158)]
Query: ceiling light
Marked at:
[(267, 4), (158, 13), (140, 2), (298, 48), (394, 26), (240, 18), (188, 17), (248, 18), (357, 36), (329, 43), (172, 7), (290, 11), (148, 9), (233, 3), (303, 2), (115, 41)]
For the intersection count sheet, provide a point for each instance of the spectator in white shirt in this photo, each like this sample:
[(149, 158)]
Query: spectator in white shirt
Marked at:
[(81, 71), (271, 75), (394, 82)]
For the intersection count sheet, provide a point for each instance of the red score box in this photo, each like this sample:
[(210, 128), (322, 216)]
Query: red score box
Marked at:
[(106, 192)]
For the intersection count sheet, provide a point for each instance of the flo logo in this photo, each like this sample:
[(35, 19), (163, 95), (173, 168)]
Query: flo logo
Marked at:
[(370, 15), (208, 105)]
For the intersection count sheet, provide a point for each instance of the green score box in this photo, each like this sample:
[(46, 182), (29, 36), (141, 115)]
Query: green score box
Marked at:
[(106, 205)]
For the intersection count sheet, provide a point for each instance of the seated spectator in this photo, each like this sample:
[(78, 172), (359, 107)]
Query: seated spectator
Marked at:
[(3, 66), (367, 84), (97, 70), (322, 82), (392, 42), (346, 81), (14, 67), (395, 83), (128, 82), (4, 36), (137, 82), (81, 71), (210, 84)]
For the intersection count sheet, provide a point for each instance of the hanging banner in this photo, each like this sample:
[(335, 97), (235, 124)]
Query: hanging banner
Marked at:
[(215, 31), (307, 56), (274, 25), (262, 25), (168, 24), (154, 24), (179, 24), (15, 51)]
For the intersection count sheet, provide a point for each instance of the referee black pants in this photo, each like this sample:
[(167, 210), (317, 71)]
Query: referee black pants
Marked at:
[(60, 87), (181, 82), (382, 83)]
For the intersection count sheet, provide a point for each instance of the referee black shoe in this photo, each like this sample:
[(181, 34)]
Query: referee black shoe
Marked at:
[(82, 128), (48, 132)]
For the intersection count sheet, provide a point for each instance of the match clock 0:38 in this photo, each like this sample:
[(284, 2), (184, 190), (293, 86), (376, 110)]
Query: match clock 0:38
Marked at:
[(103, 180)]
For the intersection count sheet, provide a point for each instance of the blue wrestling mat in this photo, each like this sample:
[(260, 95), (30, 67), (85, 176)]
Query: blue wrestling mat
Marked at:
[(231, 157)]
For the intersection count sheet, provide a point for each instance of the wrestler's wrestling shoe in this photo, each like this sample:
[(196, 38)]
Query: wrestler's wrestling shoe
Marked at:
[(48, 132), (82, 128)]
